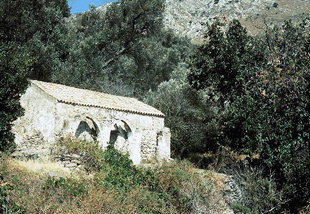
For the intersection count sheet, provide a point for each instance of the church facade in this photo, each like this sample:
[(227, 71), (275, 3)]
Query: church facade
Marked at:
[(54, 111)]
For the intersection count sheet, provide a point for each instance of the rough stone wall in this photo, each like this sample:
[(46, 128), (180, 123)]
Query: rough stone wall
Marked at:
[(34, 132), (141, 144), (163, 144), (149, 143), (46, 120)]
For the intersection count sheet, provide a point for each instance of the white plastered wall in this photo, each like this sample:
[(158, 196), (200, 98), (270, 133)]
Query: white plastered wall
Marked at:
[(34, 131), (46, 120)]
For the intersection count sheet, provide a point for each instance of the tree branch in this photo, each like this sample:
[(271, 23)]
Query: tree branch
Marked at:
[(118, 54)]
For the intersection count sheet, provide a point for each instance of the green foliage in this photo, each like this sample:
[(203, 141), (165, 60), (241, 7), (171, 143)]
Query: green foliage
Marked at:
[(91, 154), (70, 186), (36, 25), (185, 110), (122, 51), (118, 187), (6, 206), (15, 63), (185, 187), (249, 94), (273, 118), (225, 63), (119, 171), (167, 186), (3, 193), (28, 31), (263, 101), (260, 192)]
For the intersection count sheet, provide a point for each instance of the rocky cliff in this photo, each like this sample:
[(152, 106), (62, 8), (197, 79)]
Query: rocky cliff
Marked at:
[(189, 17)]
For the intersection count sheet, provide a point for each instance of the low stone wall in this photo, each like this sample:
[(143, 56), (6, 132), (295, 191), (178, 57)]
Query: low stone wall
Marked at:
[(71, 161), (33, 147)]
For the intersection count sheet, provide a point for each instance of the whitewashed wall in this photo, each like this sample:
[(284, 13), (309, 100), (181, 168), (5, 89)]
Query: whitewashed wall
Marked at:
[(46, 120)]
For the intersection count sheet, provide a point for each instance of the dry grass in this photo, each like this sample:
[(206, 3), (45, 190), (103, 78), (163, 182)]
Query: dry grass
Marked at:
[(178, 190), (48, 168), (175, 187), (294, 10), (218, 191)]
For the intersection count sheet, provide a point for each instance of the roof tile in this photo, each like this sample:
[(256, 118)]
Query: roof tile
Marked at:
[(83, 97)]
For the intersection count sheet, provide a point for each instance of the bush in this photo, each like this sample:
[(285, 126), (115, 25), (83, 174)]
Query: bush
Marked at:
[(118, 187), (261, 85), (91, 155), (259, 192), (6, 187), (70, 186), (161, 189), (187, 115), (120, 171)]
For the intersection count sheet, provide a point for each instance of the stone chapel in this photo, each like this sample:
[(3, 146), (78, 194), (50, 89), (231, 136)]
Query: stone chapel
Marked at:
[(53, 111)]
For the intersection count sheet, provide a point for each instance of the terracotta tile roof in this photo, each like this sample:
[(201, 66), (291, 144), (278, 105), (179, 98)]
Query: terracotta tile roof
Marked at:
[(76, 96)]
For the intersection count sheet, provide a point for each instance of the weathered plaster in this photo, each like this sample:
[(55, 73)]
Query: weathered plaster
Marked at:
[(46, 120)]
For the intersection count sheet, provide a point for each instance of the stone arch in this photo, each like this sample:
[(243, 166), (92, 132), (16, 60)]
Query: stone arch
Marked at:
[(120, 135), (87, 130)]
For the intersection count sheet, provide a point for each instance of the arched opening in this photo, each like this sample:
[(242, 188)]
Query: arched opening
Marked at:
[(119, 136), (87, 130)]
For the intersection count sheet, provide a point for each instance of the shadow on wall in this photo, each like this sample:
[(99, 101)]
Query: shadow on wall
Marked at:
[(119, 136), (87, 130)]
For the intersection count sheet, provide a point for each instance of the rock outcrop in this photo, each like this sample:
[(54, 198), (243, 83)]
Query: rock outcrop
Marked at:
[(189, 17)]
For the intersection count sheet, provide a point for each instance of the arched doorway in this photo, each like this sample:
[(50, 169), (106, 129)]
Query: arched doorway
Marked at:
[(87, 130), (120, 135)]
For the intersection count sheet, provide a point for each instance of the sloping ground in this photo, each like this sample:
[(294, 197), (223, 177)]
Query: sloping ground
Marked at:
[(223, 191), (189, 17), (43, 168), (294, 10), (47, 187)]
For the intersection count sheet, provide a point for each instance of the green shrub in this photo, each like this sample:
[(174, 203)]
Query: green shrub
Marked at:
[(171, 185), (119, 171), (70, 186), (7, 206), (91, 154), (261, 86), (260, 193), (117, 187)]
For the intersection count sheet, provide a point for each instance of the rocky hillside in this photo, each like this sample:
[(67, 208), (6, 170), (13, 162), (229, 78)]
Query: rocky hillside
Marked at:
[(188, 17)]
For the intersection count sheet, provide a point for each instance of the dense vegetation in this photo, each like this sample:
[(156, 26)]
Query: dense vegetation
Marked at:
[(262, 90), (116, 186), (30, 42), (234, 94), (124, 51)]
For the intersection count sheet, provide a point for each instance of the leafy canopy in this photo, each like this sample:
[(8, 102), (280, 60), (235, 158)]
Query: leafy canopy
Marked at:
[(28, 35), (261, 87), (123, 50)]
